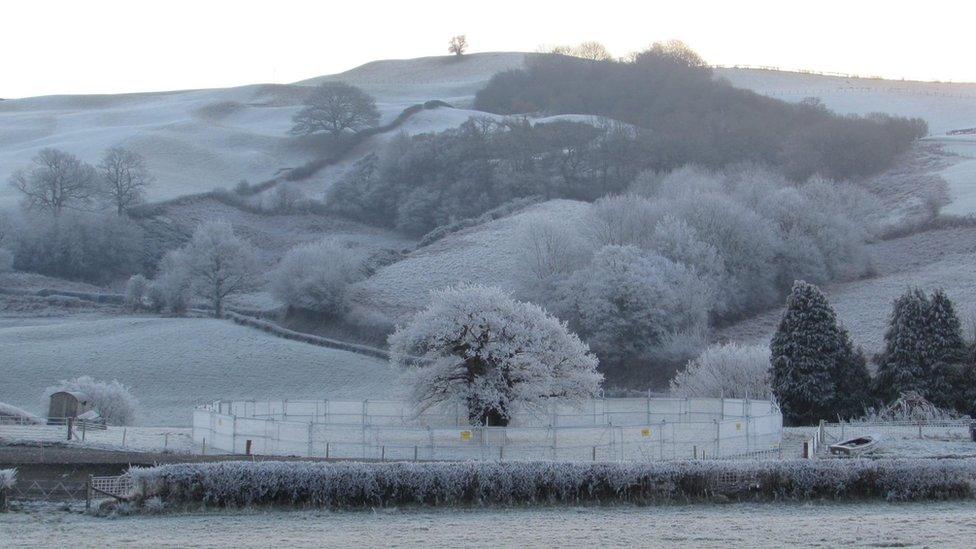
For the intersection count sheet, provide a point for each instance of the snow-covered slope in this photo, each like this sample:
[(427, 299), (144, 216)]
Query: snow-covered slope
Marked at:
[(929, 260), (479, 255), (197, 140), (173, 364)]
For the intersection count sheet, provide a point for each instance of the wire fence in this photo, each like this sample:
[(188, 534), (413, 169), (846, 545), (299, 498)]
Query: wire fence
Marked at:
[(598, 430), (95, 434), (959, 429)]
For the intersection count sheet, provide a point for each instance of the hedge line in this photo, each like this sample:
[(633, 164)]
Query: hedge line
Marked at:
[(363, 485)]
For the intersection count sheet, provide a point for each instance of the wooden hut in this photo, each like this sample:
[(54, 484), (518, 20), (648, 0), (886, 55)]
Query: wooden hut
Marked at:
[(65, 404)]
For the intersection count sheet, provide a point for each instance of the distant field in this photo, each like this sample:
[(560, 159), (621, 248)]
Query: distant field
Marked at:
[(172, 364)]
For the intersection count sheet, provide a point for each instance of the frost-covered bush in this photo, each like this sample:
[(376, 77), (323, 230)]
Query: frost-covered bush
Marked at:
[(136, 290), (367, 485), (550, 248), (112, 400), (315, 277), (170, 290), (628, 303), (480, 348), (8, 477), (730, 371)]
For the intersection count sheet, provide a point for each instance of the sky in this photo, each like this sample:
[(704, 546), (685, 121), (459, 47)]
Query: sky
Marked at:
[(112, 46)]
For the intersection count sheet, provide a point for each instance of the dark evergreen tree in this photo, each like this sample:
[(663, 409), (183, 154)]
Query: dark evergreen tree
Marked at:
[(945, 353), (815, 372), (902, 365)]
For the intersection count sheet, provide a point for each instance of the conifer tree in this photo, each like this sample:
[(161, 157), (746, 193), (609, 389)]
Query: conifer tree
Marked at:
[(945, 353), (803, 356), (902, 366)]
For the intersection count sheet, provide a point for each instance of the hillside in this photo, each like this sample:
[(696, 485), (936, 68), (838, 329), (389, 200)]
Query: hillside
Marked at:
[(174, 364)]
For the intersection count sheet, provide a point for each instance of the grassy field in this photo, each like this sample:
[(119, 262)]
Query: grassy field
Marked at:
[(172, 364)]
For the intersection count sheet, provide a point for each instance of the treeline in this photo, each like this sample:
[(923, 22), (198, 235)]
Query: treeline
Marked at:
[(418, 183), (694, 118)]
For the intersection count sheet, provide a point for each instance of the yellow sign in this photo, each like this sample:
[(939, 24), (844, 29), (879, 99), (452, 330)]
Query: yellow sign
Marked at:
[(465, 435), (738, 426), (645, 432)]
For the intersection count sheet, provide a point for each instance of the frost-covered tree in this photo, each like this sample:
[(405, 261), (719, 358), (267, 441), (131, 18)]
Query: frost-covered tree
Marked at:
[(335, 107), (170, 290), (812, 360), (924, 351), (217, 264), (478, 347), (903, 365), (730, 371), (457, 45), (57, 181), (113, 401), (124, 178), (550, 248), (136, 290), (628, 304), (315, 277)]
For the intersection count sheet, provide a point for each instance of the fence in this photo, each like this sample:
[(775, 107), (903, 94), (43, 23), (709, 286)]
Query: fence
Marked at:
[(601, 429), (828, 433), (96, 434)]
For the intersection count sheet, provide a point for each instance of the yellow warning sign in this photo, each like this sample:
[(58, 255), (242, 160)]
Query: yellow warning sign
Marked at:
[(738, 426), (645, 432), (465, 435)]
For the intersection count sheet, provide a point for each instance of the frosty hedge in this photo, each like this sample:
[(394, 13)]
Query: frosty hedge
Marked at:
[(359, 485)]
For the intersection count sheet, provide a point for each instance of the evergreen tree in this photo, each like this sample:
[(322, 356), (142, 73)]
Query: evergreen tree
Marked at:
[(807, 357), (945, 353), (902, 366), (853, 380)]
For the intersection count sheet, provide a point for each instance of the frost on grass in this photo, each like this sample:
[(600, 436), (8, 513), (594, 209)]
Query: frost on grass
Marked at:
[(358, 485)]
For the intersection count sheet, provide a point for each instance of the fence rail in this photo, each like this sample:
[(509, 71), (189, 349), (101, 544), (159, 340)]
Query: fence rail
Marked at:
[(599, 430)]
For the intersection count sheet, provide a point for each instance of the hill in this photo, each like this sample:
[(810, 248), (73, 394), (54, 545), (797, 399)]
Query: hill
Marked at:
[(174, 364)]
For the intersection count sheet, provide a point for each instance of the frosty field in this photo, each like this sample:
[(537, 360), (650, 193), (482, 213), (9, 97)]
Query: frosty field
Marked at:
[(172, 364), (721, 526)]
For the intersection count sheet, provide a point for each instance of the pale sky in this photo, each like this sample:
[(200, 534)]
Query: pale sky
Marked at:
[(112, 46)]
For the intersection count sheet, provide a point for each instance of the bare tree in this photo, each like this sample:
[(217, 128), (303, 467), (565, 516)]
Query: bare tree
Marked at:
[(57, 181), (458, 45), (335, 107), (124, 178), (586, 50)]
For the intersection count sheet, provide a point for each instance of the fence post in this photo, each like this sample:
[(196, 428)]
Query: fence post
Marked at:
[(71, 422), (88, 483), (204, 446), (123, 436), (594, 453), (415, 452), (311, 446), (165, 441), (718, 438), (326, 450), (84, 430)]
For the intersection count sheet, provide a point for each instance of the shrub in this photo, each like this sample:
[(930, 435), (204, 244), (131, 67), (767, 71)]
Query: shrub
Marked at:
[(315, 277), (729, 370), (370, 485), (136, 291), (112, 400), (79, 246)]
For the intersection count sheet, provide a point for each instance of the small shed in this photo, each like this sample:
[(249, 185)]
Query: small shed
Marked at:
[(65, 404)]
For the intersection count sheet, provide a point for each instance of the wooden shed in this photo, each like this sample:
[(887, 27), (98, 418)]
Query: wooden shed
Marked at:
[(65, 404)]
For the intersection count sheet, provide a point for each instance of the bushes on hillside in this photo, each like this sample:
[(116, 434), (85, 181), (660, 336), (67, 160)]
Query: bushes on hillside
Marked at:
[(112, 400), (79, 246), (418, 183), (315, 277), (698, 119)]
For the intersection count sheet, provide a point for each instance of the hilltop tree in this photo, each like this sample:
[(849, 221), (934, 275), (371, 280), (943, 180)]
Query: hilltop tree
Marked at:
[(458, 45), (124, 178), (335, 107), (478, 347), (57, 181), (812, 360)]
